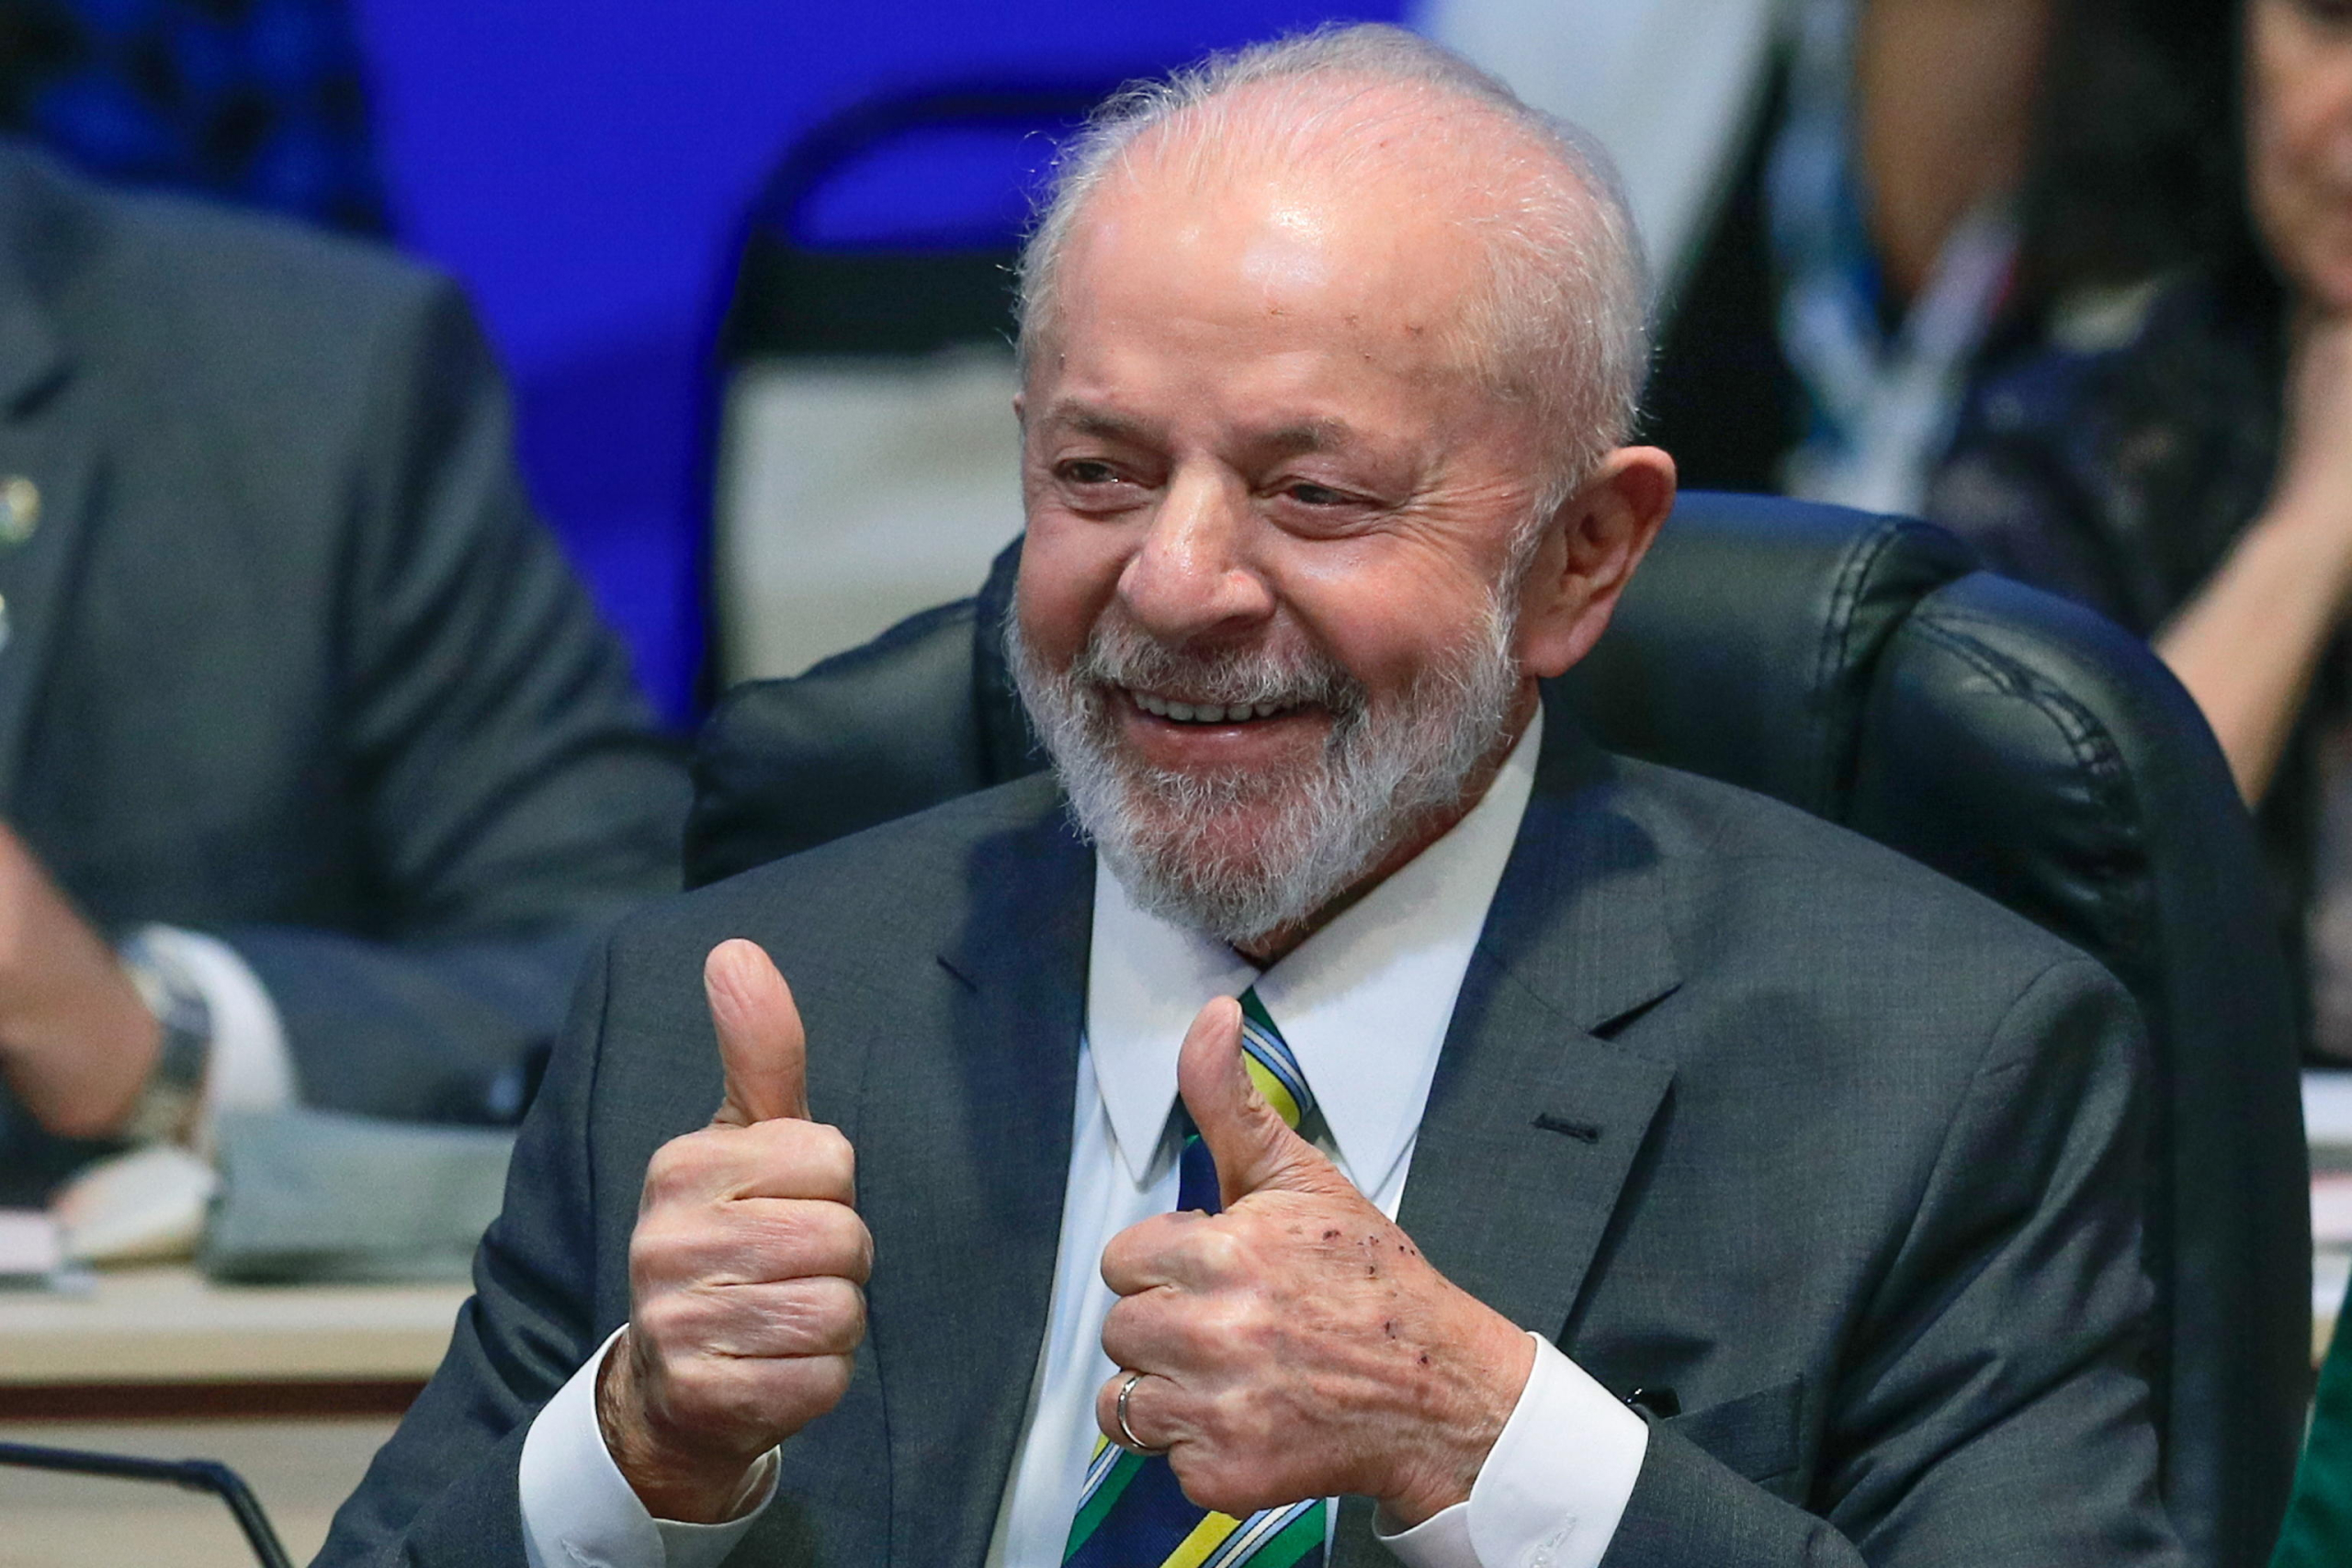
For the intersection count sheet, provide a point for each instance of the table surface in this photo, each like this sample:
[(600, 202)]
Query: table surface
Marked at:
[(168, 1326)]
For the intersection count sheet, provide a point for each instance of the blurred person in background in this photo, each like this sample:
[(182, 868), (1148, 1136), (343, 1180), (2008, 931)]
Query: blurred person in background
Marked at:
[(261, 102), (2195, 483), (318, 772), (1902, 221)]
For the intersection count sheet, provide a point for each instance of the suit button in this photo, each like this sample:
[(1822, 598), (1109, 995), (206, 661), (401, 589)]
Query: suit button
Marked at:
[(1661, 1402), (19, 509)]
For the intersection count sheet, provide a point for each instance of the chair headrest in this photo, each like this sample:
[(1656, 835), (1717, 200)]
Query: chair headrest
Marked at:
[(1744, 646), (924, 712)]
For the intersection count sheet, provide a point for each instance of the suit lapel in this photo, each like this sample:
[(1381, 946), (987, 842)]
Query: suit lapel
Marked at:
[(41, 442), (957, 1336), (1535, 1119), (1534, 1124)]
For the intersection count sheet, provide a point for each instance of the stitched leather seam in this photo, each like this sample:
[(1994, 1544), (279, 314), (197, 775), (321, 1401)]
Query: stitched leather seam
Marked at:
[(2085, 736), (1837, 650), (1836, 638)]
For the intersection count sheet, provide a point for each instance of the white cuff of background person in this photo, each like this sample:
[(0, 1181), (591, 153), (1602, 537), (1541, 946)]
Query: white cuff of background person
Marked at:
[(248, 1067)]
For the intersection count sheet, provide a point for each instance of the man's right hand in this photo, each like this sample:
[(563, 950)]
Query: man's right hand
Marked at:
[(746, 1270)]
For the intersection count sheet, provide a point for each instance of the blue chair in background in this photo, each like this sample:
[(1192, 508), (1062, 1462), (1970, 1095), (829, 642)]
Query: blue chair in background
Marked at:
[(860, 433)]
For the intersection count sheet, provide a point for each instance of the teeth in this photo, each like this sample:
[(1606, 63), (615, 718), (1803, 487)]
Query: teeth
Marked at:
[(1207, 713)]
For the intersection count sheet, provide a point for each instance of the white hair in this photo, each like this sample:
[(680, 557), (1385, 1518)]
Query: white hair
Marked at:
[(1561, 325)]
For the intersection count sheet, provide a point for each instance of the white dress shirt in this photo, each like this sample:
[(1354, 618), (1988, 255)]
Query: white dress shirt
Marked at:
[(1363, 1004), (249, 1066)]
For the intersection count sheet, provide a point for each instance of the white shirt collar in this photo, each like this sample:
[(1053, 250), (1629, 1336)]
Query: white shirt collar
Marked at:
[(1364, 1003)]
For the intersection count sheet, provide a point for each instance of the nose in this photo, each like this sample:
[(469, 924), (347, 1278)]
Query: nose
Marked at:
[(1193, 578)]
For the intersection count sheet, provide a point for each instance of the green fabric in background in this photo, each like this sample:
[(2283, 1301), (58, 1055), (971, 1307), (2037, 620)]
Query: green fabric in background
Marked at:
[(2318, 1532)]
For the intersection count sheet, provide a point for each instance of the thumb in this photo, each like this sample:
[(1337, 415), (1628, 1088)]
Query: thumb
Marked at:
[(760, 1043), (1247, 1138)]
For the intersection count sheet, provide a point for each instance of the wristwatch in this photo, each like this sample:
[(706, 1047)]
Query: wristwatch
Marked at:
[(165, 1109)]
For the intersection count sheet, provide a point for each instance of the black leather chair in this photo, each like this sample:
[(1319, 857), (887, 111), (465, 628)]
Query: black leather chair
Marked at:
[(1859, 668)]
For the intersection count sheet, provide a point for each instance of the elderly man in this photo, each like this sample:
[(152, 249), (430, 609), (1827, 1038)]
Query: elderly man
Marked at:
[(1563, 1094)]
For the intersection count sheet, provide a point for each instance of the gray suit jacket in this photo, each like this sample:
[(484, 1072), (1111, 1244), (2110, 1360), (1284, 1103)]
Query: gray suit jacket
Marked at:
[(1733, 1102), (286, 658)]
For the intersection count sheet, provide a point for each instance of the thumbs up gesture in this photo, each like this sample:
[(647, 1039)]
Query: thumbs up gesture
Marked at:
[(747, 1270), (1296, 1345)]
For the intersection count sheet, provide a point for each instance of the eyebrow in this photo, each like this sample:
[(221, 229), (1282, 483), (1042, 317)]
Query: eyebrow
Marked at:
[(1288, 440), (1311, 436), (1088, 420)]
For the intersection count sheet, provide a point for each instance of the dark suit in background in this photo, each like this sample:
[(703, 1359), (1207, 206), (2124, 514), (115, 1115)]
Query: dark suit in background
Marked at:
[(288, 659), (1732, 1103)]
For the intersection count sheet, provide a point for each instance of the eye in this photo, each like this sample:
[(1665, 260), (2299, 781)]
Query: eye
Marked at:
[(1312, 509), (1086, 471), (1097, 486)]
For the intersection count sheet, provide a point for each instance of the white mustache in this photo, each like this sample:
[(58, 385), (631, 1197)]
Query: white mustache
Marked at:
[(1119, 655), (1170, 838)]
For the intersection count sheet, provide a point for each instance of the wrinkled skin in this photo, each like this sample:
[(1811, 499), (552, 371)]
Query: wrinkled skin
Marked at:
[(1297, 1344), (747, 1269)]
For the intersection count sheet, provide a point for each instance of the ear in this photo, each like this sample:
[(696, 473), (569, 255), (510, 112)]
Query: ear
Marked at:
[(1588, 554)]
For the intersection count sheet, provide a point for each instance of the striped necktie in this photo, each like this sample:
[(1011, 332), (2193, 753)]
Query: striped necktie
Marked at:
[(1131, 1512)]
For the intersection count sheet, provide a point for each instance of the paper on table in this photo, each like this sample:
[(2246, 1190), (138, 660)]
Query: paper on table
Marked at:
[(145, 1206), (30, 1249)]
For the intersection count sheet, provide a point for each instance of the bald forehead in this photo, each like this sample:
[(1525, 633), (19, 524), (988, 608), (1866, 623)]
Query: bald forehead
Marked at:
[(1332, 193), (1378, 141)]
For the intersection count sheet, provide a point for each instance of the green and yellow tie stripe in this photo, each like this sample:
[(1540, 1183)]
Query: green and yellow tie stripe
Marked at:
[(1131, 1512)]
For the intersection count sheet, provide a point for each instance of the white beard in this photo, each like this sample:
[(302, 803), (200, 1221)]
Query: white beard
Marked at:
[(1176, 841)]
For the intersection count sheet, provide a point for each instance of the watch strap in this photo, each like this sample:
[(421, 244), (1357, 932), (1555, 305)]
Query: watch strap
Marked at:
[(167, 1105)]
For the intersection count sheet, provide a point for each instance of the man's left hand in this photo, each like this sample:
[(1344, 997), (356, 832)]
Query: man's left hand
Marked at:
[(1297, 1344), (77, 1043)]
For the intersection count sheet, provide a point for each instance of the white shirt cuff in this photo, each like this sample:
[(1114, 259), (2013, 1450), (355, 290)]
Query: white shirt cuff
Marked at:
[(1553, 1488), (579, 1512), (249, 1066)]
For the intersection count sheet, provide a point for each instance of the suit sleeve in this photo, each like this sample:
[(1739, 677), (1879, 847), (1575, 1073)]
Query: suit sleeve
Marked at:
[(444, 1490), (1992, 1410), (514, 794)]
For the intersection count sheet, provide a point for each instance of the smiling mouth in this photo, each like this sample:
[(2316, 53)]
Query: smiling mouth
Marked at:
[(1209, 713)]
